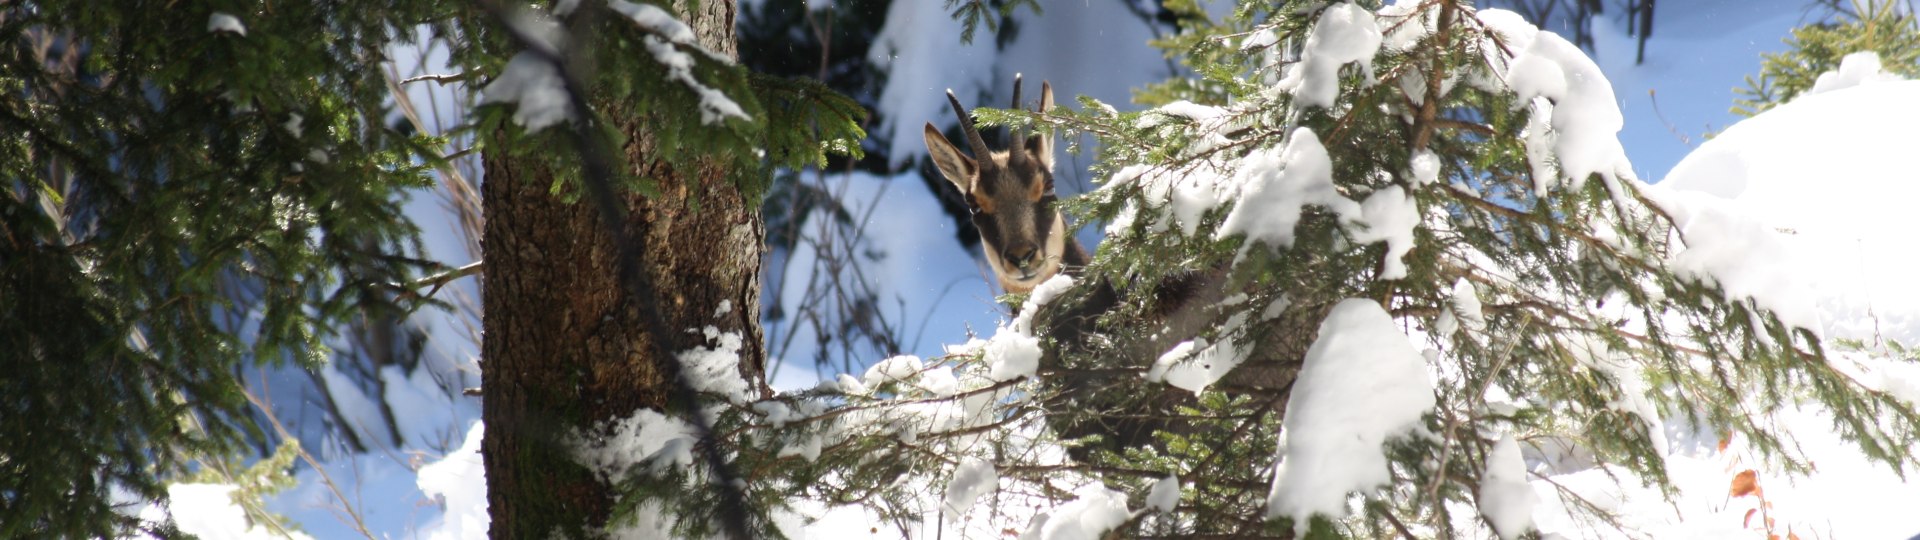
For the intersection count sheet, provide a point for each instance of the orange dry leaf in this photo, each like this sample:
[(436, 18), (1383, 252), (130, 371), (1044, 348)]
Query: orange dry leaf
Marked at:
[(1744, 484), (1747, 522)]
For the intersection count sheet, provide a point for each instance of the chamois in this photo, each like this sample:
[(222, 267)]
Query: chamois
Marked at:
[(1010, 196)]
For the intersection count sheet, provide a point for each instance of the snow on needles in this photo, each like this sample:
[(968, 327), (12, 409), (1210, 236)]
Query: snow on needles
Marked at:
[(1345, 33), (1094, 511), (1585, 119), (1361, 384), (1506, 497), (534, 85), (1275, 185), (647, 437), (665, 37), (1014, 351), (973, 478)]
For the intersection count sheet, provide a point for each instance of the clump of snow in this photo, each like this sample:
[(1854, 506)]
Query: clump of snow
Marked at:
[(896, 369), (846, 384), (716, 369), (223, 22), (535, 88), (1362, 382), (1856, 69), (1012, 355), (1041, 294), (1014, 351), (1841, 223), (1507, 27), (1390, 215), (1165, 494), (1506, 497), (1275, 185), (1345, 33), (1585, 119), (1094, 511), (1404, 23), (1425, 167), (459, 481), (1194, 365), (655, 20), (939, 381), (973, 478), (647, 437), (1463, 309)]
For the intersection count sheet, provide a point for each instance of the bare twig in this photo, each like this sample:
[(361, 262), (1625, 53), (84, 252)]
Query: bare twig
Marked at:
[(266, 409)]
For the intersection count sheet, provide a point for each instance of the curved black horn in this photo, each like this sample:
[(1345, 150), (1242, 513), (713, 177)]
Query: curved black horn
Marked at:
[(980, 152), (1016, 155)]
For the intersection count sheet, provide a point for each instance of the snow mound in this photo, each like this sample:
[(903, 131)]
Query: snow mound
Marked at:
[(1830, 177)]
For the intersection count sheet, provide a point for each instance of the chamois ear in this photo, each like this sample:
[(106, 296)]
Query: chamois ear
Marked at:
[(1041, 144), (1040, 147), (957, 167)]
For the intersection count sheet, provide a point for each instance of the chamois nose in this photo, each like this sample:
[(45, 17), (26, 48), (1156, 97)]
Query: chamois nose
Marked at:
[(1022, 256)]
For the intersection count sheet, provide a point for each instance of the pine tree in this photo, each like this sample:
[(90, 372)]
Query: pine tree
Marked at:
[(1448, 179), (191, 190), (197, 189), (1335, 180)]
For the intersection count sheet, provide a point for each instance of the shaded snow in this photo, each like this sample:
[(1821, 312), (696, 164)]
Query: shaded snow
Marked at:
[(534, 87), (973, 478), (223, 22), (920, 49)]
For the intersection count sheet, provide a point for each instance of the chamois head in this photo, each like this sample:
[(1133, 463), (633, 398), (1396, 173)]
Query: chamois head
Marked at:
[(1010, 194)]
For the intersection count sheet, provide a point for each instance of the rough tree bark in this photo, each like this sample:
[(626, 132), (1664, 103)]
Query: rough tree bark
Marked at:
[(564, 348)]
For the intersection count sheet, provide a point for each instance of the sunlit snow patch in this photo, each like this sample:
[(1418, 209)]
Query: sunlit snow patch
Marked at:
[(1361, 384)]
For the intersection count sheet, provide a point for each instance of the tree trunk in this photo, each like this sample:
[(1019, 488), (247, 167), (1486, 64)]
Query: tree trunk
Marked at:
[(565, 350)]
